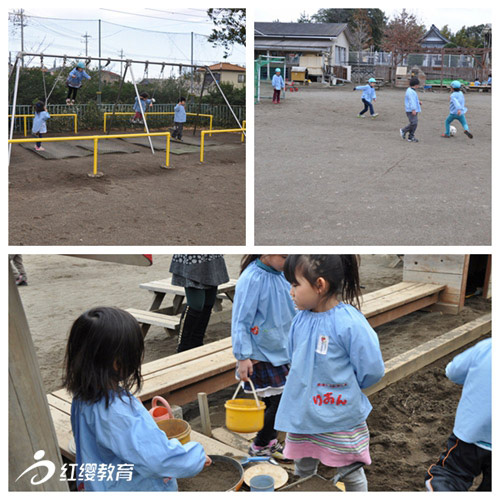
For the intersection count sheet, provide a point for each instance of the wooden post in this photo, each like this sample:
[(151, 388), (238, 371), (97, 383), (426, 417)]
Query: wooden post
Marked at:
[(30, 425), (204, 414)]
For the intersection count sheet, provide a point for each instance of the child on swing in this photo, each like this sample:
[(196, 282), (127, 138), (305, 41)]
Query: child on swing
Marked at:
[(110, 426), (74, 82), (40, 123), (335, 354), (142, 103)]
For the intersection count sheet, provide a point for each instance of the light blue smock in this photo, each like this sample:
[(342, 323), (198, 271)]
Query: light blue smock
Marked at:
[(262, 315), (75, 78), (277, 82), (368, 92), (138, 103), (179, 113), (335, 354), (125, 433), (457, 103), (40, 122), (412, 103), (472, 369)]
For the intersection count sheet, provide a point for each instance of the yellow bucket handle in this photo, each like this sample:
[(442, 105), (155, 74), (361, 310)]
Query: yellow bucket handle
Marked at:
[(253, 390)]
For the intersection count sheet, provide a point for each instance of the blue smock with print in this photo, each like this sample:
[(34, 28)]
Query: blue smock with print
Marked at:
[(277, 82), (457, 103), (75, 78), (262, 315), (335, 354), (179, 113), (472, 369), (138, 103), (412, 102), (368, 92), (125, 433), (40, 122)]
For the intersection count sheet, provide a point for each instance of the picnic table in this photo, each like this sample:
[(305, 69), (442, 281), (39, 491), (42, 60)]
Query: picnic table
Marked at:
[(169, 317)]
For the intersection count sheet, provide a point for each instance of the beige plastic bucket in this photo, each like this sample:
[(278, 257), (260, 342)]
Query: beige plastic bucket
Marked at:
[(176, 428), (244, 415)]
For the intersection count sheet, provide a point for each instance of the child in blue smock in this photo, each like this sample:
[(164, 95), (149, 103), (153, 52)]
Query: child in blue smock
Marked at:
[(40, 123), (335, 354), (412, 108), (278, 84), (468, 452), (112, 429), (74, 81), (367, 97), (142, 103), (457, 110), (261, 319), (179, 118)]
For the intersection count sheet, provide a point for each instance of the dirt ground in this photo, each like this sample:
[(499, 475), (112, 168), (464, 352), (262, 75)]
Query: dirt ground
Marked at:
[(54, 202), (410, 420), (324, 176)]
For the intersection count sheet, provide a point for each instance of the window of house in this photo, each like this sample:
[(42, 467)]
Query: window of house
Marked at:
[(241, 78)]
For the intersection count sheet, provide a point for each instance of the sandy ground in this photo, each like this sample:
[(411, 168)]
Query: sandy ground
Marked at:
[(410, 421), (324, 176), (54, 202)]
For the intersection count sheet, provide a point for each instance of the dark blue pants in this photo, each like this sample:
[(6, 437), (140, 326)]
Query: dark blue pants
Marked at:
[(457, 467), (368, 106)]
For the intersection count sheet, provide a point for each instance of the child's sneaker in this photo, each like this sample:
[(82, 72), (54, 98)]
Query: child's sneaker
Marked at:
[(412, 139), (68, 102), (374, 115), (468, 134), (446, 136), (72, 102), (402, 133), (361, 116), (272, 449), (39, 148), (21, 281)]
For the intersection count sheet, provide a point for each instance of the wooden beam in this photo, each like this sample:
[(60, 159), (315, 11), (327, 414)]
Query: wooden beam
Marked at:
[(413, 360), (206, 426)]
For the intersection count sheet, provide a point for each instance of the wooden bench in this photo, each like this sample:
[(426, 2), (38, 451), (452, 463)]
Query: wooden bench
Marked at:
[(169, 317)]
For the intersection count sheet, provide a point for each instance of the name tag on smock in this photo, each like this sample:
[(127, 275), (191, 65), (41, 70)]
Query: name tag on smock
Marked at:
[(322, 346)]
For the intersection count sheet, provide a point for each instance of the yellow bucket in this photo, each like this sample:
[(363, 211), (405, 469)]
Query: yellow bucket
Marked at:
[(244, 415), (176, 428)]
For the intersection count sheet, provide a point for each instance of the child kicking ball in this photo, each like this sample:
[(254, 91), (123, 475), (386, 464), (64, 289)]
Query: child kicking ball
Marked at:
[(457, 111)]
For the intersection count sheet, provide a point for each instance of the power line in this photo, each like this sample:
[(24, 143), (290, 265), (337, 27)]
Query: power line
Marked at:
[(153, 17)]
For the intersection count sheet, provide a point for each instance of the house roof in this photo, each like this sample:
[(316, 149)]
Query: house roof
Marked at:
[(293, 30), (293, 45), (222, 66), (434, 36)]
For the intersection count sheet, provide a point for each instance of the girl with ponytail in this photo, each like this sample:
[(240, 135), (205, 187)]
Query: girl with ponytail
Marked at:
[(335, 354)]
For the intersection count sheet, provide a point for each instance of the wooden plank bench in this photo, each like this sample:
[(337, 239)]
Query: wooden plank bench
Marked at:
[(168, 317)]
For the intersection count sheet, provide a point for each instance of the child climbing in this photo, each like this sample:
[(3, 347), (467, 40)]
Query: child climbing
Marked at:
[(278, 84), (179, 118), (262, 315), (468, 451), (74, 82), (110, 426), (142, 103), (412, 108), (368, 97), (40, 123), (457, 110), (335, 354)]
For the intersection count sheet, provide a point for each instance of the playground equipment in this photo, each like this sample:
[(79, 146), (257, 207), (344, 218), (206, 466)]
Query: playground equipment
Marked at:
[(210, 132), (271, 63), (128, 67), (25, 119), (96, 139)]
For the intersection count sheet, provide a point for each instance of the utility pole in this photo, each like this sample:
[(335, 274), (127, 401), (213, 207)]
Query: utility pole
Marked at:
[(121, 62), (192, 59), (86, 42), (18, 19), (100, 81)]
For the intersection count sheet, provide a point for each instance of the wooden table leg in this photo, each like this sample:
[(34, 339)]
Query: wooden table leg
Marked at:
[(158, 299)]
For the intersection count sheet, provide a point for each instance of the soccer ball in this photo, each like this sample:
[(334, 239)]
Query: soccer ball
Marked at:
[(453, 130)]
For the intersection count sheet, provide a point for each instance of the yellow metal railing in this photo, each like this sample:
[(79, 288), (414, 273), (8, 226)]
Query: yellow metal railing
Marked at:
[(244, 125), (96, 139), (153, 113), (203, 132), (25, 118)]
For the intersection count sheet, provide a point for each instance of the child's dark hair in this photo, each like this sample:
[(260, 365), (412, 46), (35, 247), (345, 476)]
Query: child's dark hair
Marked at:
[(39, 106), (145, 95), (414, 81), (339, 271), (181, 99), (104, 354), (247, 260)]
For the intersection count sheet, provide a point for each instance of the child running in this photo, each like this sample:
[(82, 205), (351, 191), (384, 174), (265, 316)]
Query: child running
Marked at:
[(74, 82), (278, 84), (335, 354), (40, 123), (457, 110), (110, 426), (367, 97), (262, 315), (142, 103), (412, 108), (179, 118)]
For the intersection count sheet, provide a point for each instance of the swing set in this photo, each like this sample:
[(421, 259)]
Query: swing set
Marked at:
[(127, 69)]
